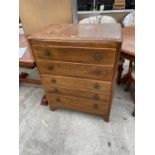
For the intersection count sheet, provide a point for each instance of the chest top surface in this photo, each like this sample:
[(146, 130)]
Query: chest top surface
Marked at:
[(77, 32)]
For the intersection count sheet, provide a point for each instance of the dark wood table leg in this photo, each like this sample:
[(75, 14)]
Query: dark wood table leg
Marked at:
[(132, 92), (125, 78), (129, 78), (120, 70), (44, 101), (133, 113)]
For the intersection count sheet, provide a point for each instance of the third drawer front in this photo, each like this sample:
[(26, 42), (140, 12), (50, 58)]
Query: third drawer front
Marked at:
[(104, 56), (103, 87), (97, 72), (80, 104)]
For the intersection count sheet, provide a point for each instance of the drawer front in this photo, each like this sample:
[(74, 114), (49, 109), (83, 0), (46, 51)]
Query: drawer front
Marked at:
[(80, 55), (97, 72), (77, 93), (74, 103), (77, 83)]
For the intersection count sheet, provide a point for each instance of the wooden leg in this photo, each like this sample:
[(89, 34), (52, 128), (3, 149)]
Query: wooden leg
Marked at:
[(129, 78), (129, 81), (120, 70), (44, 101), (132, 92), (133, 114), (52, 107), (106, 118)]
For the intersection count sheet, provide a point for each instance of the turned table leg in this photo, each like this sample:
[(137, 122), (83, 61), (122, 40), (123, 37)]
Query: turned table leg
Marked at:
[(129, 79)]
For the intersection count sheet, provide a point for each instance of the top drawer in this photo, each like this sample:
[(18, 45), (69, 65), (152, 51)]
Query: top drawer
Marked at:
[(104, 56)]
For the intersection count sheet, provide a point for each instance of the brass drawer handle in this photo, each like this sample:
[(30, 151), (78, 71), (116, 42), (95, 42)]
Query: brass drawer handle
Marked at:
[(46, 52), (96, 86), (58, 99), (98, 56), (95, 106), (53, 81), (50, 67), (97, 72), (96, 97)]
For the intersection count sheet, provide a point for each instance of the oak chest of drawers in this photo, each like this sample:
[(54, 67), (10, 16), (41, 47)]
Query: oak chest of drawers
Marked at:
[(78, 64)]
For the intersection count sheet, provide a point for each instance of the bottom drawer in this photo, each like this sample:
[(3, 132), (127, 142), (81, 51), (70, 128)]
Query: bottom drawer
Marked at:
[(79, 104)]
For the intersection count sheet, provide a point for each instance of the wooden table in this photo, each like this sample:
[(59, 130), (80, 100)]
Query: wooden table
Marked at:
[(127, 52), (27, 61), (128, 46)]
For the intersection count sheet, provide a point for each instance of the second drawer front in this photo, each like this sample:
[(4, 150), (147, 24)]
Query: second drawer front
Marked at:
[(97, 72), (77, 83), (78, 104), (80, 55), (77, 93)]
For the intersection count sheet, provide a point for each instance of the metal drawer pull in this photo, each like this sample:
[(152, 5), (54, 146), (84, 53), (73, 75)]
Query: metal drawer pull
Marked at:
[(96, 97), (97, 72), (96, 86), (50, 67), (58, 99), (98, 56), (95, 106), (46, 52), (53, 81)]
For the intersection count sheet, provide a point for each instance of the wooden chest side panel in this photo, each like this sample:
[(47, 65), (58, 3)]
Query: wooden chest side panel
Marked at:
[(77, 83)]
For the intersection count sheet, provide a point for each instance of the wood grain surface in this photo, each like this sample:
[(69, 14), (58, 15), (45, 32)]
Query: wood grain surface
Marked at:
[(104, 56), (80, 70), (77, 83), (77, 93)]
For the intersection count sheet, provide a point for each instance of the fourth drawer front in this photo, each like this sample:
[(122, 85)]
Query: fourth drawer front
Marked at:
[(77, 93)]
